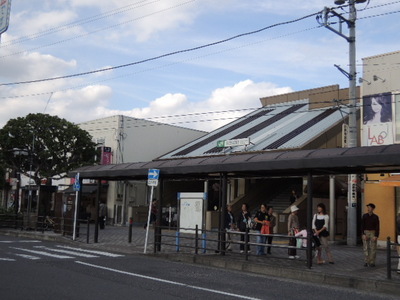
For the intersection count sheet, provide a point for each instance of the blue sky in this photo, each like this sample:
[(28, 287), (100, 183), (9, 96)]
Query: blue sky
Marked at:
[(61, 37)]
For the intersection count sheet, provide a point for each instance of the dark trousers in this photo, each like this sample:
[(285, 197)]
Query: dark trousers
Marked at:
[(269, 241), (292, 242), (242, 238), (101, 222)]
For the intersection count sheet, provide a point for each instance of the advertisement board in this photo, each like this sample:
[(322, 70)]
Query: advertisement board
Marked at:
[(377, 120)]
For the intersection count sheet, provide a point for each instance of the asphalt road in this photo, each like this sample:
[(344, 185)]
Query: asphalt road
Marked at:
[(32, 269)]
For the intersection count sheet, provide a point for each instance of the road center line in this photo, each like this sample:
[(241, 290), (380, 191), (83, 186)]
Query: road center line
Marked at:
[(166, 281)]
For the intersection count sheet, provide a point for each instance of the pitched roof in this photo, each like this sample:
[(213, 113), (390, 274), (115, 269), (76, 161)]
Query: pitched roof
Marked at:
[(280, 126)]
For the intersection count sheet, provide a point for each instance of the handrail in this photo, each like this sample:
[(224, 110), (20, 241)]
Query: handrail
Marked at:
[(195, 240), (389, 258)]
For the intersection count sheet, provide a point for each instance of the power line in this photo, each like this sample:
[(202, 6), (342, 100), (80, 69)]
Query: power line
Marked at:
[(76, 23), (98, 30), (161, 56), (162, 66)]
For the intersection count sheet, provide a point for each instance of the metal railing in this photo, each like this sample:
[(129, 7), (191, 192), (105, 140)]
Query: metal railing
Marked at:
[(214, 241), (390, 257)]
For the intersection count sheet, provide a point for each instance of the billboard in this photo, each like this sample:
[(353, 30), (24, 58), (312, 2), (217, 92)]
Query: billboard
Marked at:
[(5, 7), (377, 120)]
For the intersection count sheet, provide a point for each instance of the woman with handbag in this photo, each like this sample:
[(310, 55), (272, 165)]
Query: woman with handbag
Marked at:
[(320, 225), (243, 225)]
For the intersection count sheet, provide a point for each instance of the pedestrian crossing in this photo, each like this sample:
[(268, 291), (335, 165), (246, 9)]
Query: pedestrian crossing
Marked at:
[(37, 252)]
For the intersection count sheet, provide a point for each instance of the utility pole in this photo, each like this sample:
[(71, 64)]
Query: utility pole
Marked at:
[(353, 130)]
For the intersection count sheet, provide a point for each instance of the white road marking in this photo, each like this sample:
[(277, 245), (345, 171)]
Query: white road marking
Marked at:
[(67, 252), (168, 281), (7, 259), (43, 253), (22, 241), (91, 251), (31, 257)]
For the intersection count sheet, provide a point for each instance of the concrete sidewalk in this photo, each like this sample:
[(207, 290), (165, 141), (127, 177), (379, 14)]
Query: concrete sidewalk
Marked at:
[(348, 270)]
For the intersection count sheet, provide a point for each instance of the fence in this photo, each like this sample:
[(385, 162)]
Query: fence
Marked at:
[(222, 242), (390, 258), (63, 226)]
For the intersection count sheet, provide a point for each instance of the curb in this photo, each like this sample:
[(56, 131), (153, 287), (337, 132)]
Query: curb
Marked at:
[(306, 275)]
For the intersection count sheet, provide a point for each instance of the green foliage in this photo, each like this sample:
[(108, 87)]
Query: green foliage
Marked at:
[(47, 145)]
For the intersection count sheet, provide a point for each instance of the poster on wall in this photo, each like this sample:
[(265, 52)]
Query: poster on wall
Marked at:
[(377, 120)]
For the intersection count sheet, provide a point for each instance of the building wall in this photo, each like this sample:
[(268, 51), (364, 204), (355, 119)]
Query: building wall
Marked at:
[(383, 197), (134, 140), (381, 75)]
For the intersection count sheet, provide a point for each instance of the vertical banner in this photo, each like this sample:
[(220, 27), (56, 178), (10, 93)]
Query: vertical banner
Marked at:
[(106, 156), (396, 98)]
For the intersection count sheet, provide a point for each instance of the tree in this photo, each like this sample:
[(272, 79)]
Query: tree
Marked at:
[(45, 146)]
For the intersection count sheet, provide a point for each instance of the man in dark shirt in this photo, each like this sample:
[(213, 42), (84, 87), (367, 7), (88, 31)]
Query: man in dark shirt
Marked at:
[(370, 234)]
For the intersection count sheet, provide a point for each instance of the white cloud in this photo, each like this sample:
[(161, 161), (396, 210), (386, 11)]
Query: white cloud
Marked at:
[(223, 106)]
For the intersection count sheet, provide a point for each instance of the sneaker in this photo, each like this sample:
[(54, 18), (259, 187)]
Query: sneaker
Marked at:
[(296, 257), (241, 251), (291, 257), (248, 251)]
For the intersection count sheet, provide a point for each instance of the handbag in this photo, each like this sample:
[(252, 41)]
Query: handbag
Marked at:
[(265, 229), (324, 233)]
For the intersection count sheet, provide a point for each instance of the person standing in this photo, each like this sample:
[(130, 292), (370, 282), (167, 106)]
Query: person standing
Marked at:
[(102, 215), (370, 234), (230, 224), (293, 197), (293, 228), (261, 218), (153, 213), (272, 223), (398, 239), (320, 225), (243, 221)]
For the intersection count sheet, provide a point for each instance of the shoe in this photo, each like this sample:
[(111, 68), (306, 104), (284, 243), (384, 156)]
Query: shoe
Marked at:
[(332, 262), (296, 257), (269, 252), (321, 262), (248, 251), (365, 265), (241, 251), (291, 257), (372, 265)]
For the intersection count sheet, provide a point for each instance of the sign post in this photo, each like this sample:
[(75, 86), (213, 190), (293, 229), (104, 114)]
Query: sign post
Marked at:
[(152, 180), (5, 7), (76, 187)]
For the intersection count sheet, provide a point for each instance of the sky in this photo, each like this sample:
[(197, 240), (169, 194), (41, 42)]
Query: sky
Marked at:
[(200, 88)]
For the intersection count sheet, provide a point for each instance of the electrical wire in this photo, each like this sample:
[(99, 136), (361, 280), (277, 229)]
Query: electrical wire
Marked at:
[(70, 25), (162, 66), (97, 30), (161, 56)]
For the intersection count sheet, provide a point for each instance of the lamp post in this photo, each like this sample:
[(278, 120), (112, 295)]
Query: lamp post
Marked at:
[(351, 75)]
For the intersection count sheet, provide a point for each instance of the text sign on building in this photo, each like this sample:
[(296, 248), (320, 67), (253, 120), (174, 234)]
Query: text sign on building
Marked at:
[(152, 177), (233, 143), (5, 7)]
